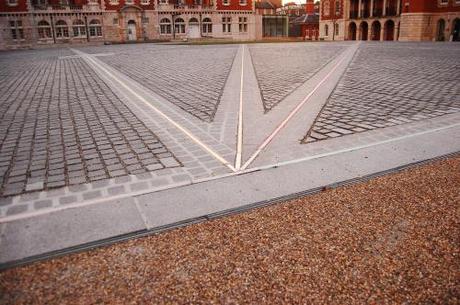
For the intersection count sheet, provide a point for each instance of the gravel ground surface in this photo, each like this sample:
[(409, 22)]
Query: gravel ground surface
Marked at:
[(394, 239)]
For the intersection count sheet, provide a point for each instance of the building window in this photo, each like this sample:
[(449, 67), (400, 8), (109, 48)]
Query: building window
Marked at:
[(207, 26), (243, 2), (115, 21), (44, 30), (326, 8), (79, 29), (62, 31), (179, 26), (444, 2), (326, 30), (163, 1), (226, 2), (227, 24), (337, 8), (17, 32), (95, 28), (336, 27), (165, 26), (193, 21), (129, 1), (243, 24), (12, 2), (145, 2), (145, 20)]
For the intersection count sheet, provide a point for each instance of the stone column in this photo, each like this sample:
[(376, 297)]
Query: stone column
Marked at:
[(398, 7), (359, 8), (384, 11), (396, 31), (371, 13), (382, 31), (369, 32)]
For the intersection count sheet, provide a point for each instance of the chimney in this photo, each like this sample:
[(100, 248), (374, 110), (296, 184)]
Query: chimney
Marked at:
[(310, 7)]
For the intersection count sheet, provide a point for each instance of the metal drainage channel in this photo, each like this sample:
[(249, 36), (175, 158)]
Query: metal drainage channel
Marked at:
[(143, 233)]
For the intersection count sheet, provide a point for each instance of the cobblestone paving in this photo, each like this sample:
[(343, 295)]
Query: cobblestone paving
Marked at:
[(391, 84), (281, 68), (61, 125), (192, 78)]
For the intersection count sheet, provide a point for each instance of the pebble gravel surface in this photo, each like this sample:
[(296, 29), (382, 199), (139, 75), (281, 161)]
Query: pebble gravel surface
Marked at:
[(390, 240)]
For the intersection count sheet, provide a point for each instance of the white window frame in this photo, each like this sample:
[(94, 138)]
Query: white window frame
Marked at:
[(12, 2), (179, 27), (78, 28), (226, 2), (243, 2), (44, 30), (62, 31), (95, 28), (207, 26), (145, 2), (165, 27), (243, 24), (16, 30), (226, 24)]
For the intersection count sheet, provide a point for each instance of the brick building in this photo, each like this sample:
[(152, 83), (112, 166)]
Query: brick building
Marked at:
[(306, 25), (25, 23), (403, 20)]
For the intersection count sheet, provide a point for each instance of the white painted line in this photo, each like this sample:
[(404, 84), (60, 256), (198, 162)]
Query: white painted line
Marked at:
[(345, 150), (239, 146), (289, 117), (182, 184), (177, 125)]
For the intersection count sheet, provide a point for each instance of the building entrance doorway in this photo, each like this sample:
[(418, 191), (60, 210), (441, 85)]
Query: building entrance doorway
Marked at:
[(352, 31), (132, 35), (456, 30)]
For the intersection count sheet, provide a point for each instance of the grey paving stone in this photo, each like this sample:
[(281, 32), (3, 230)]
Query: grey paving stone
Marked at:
[(92, 195), (17, 209), (6, 201), (116, 190), (68, 199), (376, 91), (43, 204), (159, 182), (180, 178), (293, 66), (184, 77), (69, 145), (139, 186)]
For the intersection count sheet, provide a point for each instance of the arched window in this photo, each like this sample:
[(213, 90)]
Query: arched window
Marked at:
[(440, 30), (44, 30), (62, 31), (326, 30), (179, 26), (95, 28), (79, 29), (336, 28), (326, 8), (165, 26), (207, 26), (193, 21)]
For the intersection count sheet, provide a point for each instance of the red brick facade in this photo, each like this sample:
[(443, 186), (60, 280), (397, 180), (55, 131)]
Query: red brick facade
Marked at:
[(432, 6), (21, 6), (332, 9), (234, 5)]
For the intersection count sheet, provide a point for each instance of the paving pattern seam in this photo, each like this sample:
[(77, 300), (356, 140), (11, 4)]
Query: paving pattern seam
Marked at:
[(285, 96), (147, 232), (302, 141), (170, 111)]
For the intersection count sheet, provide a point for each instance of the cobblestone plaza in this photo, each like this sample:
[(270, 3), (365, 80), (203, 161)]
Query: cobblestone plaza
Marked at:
[(92, 124)]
